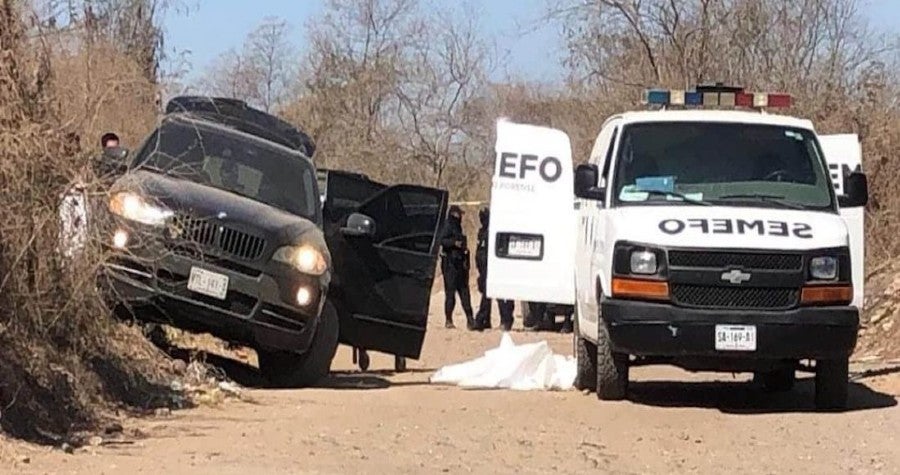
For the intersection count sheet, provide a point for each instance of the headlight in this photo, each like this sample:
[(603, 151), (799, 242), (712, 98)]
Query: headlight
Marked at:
[(643, 262), (132, 206), (823, 268), (306, 259)]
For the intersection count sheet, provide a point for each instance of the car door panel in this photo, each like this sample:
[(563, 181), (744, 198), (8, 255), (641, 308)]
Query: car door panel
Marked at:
[(382, 284)]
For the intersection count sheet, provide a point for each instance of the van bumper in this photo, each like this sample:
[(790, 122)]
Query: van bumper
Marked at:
[(665, 330)]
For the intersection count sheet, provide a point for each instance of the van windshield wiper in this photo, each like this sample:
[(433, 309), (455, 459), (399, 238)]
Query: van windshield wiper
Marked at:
[(675, 194), (764, 197)]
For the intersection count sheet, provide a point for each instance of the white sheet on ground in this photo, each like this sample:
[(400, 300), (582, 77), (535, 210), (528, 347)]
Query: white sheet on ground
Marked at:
[(527, 367)]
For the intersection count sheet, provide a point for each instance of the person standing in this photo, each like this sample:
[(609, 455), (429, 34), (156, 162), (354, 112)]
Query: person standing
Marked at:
[(483, 317), (455, 268)]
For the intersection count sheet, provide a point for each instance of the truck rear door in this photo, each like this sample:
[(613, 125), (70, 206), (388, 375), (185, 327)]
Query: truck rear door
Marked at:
[(382, 283), (844, 155), (531, 246)]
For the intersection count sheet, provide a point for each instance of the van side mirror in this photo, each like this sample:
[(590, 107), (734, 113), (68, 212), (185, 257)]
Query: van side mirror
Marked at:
[(586, 178), (359, 225), (856, 190)]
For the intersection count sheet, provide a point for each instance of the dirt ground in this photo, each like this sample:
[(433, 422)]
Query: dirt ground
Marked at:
[(380, 422)]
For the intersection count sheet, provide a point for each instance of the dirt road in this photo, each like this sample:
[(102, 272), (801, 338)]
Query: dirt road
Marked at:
[(385, 423)]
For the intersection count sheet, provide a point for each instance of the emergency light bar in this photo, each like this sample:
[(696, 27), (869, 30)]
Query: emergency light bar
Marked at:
[(715, 96)]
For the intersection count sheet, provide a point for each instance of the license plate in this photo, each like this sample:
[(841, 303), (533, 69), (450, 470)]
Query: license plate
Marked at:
[(524, 246), (208, 283), (735, 338)]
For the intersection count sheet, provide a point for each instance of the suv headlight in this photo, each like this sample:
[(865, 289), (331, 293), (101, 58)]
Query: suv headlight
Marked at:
[(306, 259), (643, 262), (823, 268), (132, 206)]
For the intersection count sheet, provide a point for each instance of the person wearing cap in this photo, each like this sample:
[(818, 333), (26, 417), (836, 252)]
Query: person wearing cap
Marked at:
[(483, 317), (455, 268)]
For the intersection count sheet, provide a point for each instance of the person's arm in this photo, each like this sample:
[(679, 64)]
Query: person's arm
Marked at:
[(447, 239)]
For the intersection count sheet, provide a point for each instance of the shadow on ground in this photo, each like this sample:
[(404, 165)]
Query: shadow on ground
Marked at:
[(249, 376), (745, 398)]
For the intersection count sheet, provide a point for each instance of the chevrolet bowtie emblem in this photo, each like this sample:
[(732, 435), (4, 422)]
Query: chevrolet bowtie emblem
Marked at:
[(736, 276)]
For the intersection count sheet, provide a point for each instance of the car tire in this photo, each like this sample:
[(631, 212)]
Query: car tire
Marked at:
[(585, 361), (832, 384), (779, 380), (612, 368), (284, 369)]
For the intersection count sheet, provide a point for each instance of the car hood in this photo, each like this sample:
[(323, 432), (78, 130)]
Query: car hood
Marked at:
[(203, 201), (728, 227)]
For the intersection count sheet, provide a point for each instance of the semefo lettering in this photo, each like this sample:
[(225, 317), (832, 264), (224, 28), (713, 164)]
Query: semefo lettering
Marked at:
[(513, 165), (737, 226)]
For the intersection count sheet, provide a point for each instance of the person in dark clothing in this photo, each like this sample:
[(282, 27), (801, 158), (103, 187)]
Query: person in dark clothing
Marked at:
[(483, 317), (455, 267)]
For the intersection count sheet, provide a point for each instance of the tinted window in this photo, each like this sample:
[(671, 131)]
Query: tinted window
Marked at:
[(723, 163), (234, 163)]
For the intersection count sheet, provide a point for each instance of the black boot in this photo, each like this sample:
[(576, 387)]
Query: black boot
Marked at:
[(448, 323), (470, 322)]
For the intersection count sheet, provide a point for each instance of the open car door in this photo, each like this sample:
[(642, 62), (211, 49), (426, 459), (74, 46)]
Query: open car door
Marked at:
[(531, 245), (382, 280), (844, 155)]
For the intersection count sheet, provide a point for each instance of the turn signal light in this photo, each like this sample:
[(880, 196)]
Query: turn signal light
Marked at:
[(826, 294), (636, 288)]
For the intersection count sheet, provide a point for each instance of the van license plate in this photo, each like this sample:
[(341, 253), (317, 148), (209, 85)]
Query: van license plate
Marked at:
[(208, 283), (735, 338), (524, 246)]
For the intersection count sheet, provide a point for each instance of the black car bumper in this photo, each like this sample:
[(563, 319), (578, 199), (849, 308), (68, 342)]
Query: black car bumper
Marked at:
[(255, 312), (664, 330)]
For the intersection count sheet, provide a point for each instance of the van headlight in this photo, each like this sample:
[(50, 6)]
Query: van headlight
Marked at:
[(305, 258), (134, 207), (823, 268), (643, 262)]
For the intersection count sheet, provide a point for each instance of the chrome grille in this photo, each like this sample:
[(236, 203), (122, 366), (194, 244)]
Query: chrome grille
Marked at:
[(219, 238)]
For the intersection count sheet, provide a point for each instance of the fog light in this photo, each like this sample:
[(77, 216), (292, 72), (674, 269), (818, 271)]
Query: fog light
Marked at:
[(304, 296), (120, 239)]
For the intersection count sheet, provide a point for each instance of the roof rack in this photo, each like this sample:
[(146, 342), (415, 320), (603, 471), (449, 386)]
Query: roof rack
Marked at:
[(239, 115)]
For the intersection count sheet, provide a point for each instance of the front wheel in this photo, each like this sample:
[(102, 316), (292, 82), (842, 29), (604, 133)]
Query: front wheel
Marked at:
[(585, 361), (832, 384), (285, 369), (612, 368)]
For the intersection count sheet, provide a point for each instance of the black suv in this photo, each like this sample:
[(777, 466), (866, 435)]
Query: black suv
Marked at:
[(218, 225)]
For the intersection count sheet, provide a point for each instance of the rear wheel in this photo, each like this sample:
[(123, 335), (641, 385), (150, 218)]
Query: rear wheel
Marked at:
[(779, 380), (585, 361), (832, 381), (285, 369), (612, 368)]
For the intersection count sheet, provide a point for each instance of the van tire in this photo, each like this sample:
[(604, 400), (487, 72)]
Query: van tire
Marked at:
[(832, 384), (290, 370), (612, 368), (585, 361)]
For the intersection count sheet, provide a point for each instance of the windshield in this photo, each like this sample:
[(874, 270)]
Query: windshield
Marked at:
[(231, 162), (728, 164)]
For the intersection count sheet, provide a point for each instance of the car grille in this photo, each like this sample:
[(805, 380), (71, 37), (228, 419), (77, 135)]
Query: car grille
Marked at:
[(706, 296), (220, 238), (733, 259)]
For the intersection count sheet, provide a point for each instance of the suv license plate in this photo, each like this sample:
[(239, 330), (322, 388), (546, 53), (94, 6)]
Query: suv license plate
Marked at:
[(735, 338), (208, 283)]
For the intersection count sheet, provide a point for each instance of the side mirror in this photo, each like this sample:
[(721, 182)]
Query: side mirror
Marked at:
[(359, 225), (112, 161), (856, 190), (586, 178)]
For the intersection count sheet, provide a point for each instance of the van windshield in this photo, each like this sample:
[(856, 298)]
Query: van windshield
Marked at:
[(727, 164), (232, 162)]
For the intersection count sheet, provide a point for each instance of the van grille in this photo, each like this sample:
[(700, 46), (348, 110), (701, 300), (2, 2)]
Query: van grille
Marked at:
[(732, 259), (735, 297), (220, 238)]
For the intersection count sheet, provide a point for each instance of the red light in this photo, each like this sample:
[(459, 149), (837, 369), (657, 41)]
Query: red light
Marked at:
[(743, 99), (779, 100)]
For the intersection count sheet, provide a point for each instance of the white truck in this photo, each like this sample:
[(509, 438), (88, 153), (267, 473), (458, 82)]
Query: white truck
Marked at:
[(715, 240)]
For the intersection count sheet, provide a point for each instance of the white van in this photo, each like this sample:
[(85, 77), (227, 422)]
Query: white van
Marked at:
[(714, 240)]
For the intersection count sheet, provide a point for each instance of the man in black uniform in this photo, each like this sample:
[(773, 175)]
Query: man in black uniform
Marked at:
[(455, 267), (483, 318)]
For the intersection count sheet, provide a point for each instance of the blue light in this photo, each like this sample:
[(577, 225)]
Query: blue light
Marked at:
[(657, 96), (693, 98)]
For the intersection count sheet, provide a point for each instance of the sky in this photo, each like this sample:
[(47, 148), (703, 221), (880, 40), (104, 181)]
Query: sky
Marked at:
[(533, 48)]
